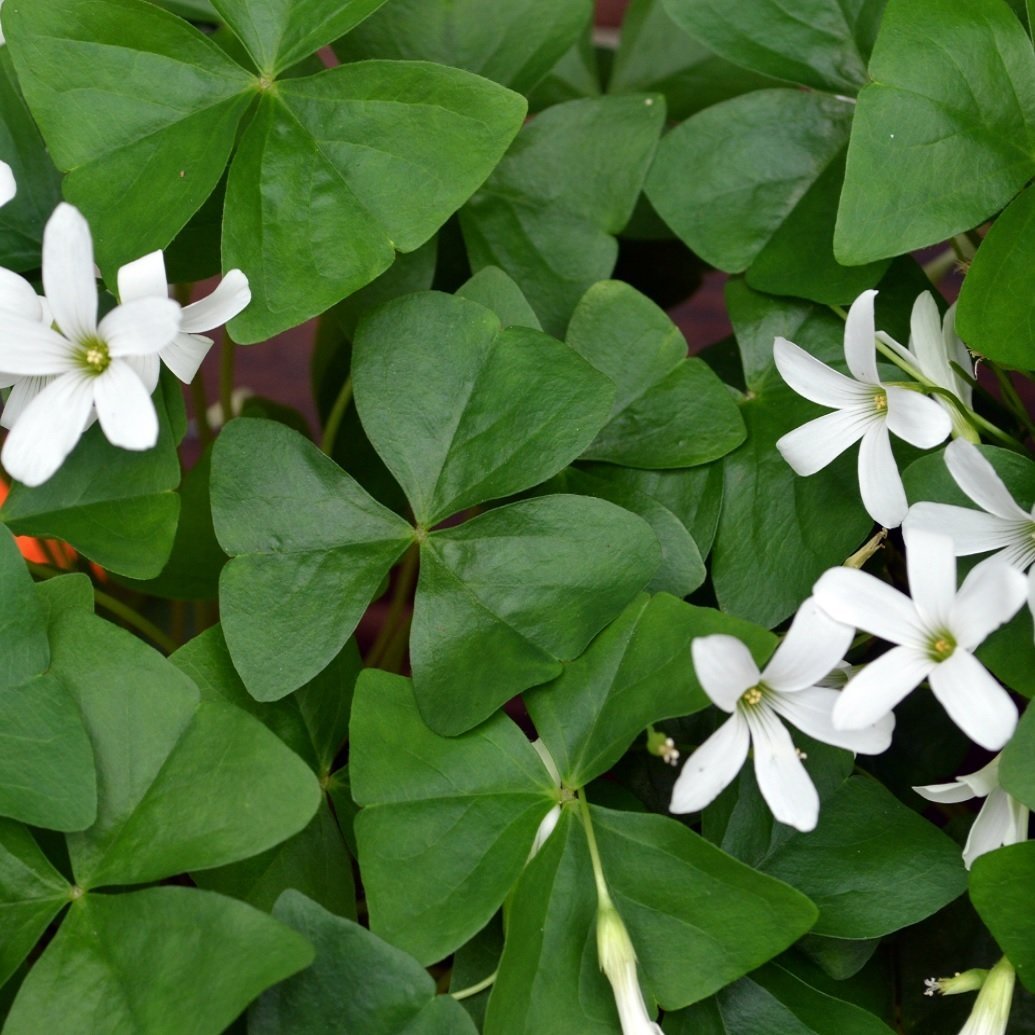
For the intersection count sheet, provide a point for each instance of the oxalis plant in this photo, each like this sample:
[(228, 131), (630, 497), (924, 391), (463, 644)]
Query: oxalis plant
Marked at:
[(560, 682)]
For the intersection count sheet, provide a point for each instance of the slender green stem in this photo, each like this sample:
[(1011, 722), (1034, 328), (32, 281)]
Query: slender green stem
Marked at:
[(1013, 400), (334, 418), (227, 356), (115, 607), (466, 993), (603, 896), (404, 581), (392, 658)]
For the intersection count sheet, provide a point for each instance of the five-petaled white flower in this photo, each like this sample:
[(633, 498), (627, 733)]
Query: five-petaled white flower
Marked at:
[(788, 687), (934, 346), (865, 410), (1003, 820), (1000, 525), (91, 366), (145, 278), (935, 632)]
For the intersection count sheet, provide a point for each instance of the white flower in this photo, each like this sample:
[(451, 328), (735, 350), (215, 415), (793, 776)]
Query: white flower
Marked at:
[(1000, 525), (933, 347), (865, 410), (788, 687), (8, 188), (18, 297), (618, 962), (549, 821), (145, 278), (936, 632), (1003, 820), (91, 365), (991, 1010)]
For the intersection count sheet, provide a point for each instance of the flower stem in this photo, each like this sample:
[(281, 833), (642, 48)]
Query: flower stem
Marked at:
[(466, 993), (227, 356), (1013, 400), (334, 418), (603, 896), (404, 581)]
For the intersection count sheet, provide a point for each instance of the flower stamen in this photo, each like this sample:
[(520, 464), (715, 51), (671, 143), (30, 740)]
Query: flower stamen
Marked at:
[(95, 355), (880, 402), (752, 697), (942, 647)]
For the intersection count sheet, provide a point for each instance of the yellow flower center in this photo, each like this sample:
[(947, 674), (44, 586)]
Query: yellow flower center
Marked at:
[(752, 696), (95, 356), (880, 402), (942, 647)]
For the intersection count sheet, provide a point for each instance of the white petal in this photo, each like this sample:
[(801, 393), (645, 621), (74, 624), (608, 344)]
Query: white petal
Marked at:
[(978, 479), (143, 278), (878, 688), (8, 188), (946, 793), (814, 380), (230, 296), (814, 644), (782, 779), (994, 827), (138, 328), (68, 272), (958, 354), (712, 767), (972, 531), (147, 368), (184, 355), (724, 667), (974, 700), (124, 408), (546, 828), (48, 429), (860, 339), (991, 595), (18, 296), (984, 780), (810, 711), (916, 418), (925, 332), (811, 447), (22, 393), (931, 566), (28, 348), (860, 599), (879, 482)]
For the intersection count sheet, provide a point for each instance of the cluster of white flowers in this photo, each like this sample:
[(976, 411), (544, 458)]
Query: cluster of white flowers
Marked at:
[(933, 632), (65, 368)]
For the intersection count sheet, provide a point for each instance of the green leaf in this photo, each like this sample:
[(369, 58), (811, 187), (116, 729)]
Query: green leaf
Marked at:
[(313, 862), (162, 959), (682, 568), (278, 33), (549, 212), (500, 410), (635, 672), (918, 140), (313, 721), (492, 288), (469, 806), (339, 154), (697, 917), (46, 765), (136, 105), (872, 865), (504, 598), (996, 313), (72, 592), (656, 55), (549, 979), (999, 886), (32, 893), (309, 550), (1017, 767), (669, 411), (163, 807), (114, 505), (766, 177), (24, 650), (777, 1002), (358, 985), (779, 532), (39, 183), (819, 43), (515, 44)]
